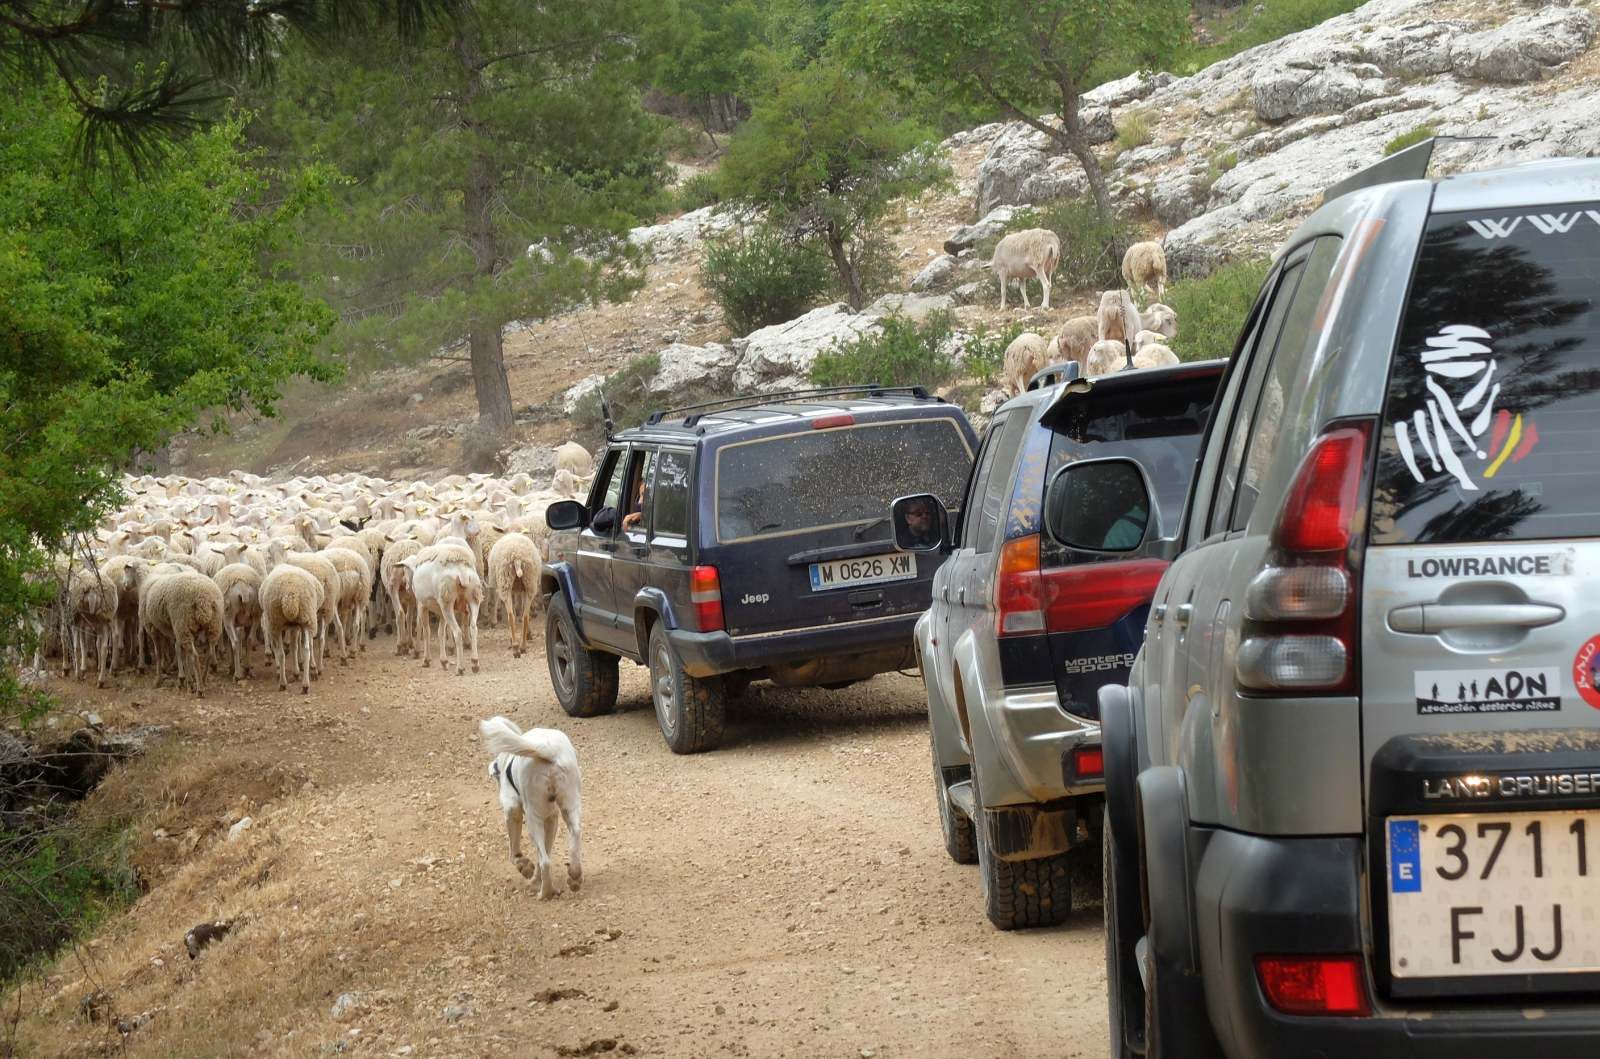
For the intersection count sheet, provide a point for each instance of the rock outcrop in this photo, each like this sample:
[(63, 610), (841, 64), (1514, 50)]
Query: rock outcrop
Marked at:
[(780, 357)]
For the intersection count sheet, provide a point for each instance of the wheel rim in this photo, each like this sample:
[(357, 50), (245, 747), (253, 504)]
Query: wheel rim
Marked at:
[(663, 689), (561, 661)]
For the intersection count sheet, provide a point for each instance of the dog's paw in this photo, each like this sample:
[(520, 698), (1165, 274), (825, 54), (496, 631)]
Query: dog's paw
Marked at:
[(527, 867)]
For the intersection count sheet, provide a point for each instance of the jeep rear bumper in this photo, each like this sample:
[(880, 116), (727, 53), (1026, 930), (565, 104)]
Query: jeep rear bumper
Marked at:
[(1256, 895), (839, 653)]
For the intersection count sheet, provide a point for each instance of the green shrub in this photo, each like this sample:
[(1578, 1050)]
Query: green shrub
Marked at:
[(1211, 310), (1091, 245), (760, 277), (901, 353), (699, 190), (1133, 131), (56, 884), (1409, 139), (985, 351), (1258, 23)]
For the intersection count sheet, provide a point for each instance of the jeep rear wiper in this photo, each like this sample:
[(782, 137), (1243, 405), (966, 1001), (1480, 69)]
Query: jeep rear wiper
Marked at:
[(769, 525), (861, 530)]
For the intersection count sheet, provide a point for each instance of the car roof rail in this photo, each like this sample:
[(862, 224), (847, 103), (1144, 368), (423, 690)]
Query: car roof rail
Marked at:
[(693, 412), (1051, 374)]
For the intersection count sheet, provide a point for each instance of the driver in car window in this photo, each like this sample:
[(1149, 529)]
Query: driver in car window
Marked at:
[(1127, 529), (635, 514), (919, 523)]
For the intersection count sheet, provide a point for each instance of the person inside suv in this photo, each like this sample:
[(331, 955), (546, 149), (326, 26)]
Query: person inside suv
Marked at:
[(921, 531), (635, 514)]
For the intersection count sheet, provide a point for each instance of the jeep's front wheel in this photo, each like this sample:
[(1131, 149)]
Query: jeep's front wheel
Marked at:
[(690, 710), (1021, 893), (585, 681)]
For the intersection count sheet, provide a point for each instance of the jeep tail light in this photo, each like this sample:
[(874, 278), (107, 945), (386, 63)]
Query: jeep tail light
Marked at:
[(1019, 598), (1088, 762), (705, 592), (1314, 985), (1300, 625), (1095, 595)]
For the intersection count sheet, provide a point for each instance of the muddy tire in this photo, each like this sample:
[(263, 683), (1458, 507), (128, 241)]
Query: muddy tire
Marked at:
[(690, 711), (585, 681), (1023, 893), (960, 840)]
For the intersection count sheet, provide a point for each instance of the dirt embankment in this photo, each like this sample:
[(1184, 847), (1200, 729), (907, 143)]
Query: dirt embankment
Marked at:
[(788, 895)]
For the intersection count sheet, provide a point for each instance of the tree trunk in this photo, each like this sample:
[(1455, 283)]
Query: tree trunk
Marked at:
[(849, 278), (489, 379), (1071, 137)]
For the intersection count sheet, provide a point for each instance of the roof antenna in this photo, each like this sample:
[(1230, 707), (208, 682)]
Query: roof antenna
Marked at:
[(605, 416)]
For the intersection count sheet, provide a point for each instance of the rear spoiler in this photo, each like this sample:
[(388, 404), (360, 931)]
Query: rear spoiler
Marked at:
[(1127, 382)]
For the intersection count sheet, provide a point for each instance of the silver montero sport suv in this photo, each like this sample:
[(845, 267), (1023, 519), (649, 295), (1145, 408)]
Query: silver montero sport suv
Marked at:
[(1353, 781)]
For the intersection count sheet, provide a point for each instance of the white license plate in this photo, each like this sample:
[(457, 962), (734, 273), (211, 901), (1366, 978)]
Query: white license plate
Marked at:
[(867, 570), (1492, 894)]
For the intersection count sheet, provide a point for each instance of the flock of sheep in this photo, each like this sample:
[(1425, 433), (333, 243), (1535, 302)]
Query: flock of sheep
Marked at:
[(192, 574), (1119, 335)]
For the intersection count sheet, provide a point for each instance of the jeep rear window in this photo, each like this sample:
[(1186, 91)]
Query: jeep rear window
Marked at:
[(1160, 428), (836, 477), (1493, 413)]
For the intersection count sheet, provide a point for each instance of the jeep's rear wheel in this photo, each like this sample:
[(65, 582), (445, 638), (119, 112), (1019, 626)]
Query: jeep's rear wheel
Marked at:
[(585, 681), (1021, 893), (690, 710), (959, 840)]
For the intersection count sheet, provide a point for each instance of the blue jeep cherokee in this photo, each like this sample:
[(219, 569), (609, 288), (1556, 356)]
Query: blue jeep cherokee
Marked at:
[(744, 540)]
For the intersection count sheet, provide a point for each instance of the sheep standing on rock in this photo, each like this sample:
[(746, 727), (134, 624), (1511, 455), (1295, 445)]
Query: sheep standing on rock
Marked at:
[(1118, 317), (514, 572), (1025, 358), (291, 611), (1033, 252), (1144, 267)]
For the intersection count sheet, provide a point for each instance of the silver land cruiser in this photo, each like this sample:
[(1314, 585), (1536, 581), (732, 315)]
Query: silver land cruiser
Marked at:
[(1353, 781)]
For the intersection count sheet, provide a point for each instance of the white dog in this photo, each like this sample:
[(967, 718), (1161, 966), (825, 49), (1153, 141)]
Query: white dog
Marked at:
[(537, 775)]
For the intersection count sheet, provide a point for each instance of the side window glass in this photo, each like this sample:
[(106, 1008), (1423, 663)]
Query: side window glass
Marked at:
[(997, 487), (609, 489), (671, 513), (972, 504), (1245, 412), (1278, 429), (637, 505)]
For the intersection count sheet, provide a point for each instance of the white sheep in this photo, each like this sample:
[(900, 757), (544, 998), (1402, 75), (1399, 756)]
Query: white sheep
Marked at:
[(1033, 252), (328, 575), (127, 574), (92, 612), (571, 456), (291, 609), (514, 572), (183, 608), (396, 577), (1073, 341), (1146, 338), (1025, 357), (1155, 355), (241, 611), (1144, 267), (355, 588), (1106, 357), (1118, 318), (1162, 318), (445, 580)]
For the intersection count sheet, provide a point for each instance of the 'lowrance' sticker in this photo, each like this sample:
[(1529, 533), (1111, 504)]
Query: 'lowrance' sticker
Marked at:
[(1530, 564), (1488, 691)]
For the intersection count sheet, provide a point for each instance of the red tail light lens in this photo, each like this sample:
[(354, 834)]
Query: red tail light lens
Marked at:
[(1089, 762), (1095, 595), (1018, 594), (1314, 985), (705, 592), (1325, 496), (824, 422)]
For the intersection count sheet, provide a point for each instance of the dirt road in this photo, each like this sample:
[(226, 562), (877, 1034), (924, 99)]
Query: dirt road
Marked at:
[(787, 895)]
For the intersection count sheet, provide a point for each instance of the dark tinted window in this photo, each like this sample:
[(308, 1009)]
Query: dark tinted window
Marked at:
[(836, 477), (672, 494), (1160, 428), (973, 508), (609, 487), (1493, 413), (997, 489)]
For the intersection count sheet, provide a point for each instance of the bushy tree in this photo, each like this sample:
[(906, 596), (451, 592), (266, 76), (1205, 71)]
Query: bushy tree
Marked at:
[(1017, 55), (140, 72), (706, 59), (130, 310), (825, 156), (494, 164)]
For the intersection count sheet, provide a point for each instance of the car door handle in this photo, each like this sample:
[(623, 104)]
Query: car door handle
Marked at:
[(961, 594), (641, 550), (1424, 618), (1159, 614), (1183, 614)]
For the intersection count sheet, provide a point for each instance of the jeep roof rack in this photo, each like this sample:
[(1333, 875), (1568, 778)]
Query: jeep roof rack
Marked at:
[(1051, 374), (692, 413)]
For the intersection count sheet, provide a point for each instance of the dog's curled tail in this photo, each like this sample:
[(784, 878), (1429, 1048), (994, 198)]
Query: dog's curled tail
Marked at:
[(502, 736)]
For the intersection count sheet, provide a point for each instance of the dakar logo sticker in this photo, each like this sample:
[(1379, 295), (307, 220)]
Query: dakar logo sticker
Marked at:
[(1584, 673), (1459, 356)]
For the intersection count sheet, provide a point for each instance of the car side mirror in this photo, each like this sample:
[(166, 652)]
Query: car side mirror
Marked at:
[(566, 514), (1099, 506), (920, 523)]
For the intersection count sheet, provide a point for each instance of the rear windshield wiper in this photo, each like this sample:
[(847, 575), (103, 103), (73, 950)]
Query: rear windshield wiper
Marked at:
[(861, 530)]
